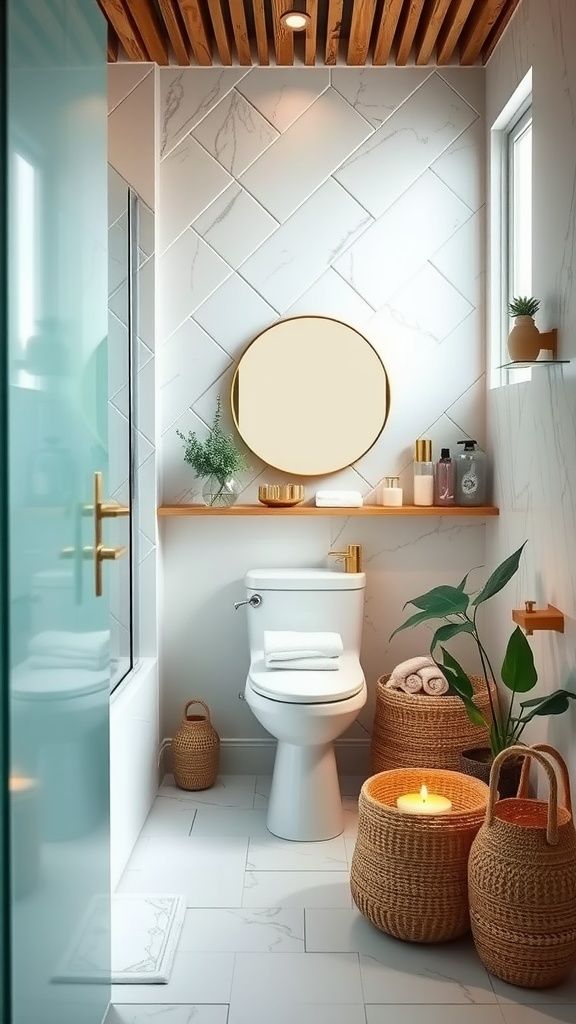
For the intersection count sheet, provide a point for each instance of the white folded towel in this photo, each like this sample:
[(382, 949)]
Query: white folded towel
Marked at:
[(417, 675), (304, 664), (339, 499), (288, 644), (60, 644)]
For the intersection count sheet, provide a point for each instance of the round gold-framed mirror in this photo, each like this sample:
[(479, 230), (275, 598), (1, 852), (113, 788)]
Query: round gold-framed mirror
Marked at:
[(310, 395)]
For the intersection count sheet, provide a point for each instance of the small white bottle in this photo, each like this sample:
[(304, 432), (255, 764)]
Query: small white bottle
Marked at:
[(423, 473), (391, 492)]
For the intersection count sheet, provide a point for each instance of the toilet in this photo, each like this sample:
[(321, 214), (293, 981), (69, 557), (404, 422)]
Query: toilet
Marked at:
[(305, 710)]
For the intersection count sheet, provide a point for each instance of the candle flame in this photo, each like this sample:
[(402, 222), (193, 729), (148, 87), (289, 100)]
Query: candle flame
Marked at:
[(424, 793)]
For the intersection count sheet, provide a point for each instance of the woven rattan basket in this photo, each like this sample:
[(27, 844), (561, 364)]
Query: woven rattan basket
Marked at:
[(409, 873), (195, 750), (522, 883), (420, 731)]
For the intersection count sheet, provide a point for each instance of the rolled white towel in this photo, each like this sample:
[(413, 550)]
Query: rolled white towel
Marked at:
[(305, 664), (434, 682), (339, 499), (57, 643), (287, 644), (410, 667)]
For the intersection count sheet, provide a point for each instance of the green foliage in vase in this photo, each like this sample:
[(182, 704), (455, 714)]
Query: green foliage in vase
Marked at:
[(521, 305), (217, 455), (518, 673)]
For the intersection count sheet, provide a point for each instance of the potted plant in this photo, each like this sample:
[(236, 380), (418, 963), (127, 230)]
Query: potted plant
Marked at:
[(524, 338), (217, 458), (518, 674)]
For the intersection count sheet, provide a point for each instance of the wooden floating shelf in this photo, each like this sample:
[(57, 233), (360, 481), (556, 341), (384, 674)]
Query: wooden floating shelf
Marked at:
[(313, 510)]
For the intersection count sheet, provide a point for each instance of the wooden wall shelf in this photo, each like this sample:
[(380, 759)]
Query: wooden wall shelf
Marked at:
[(312, 510)]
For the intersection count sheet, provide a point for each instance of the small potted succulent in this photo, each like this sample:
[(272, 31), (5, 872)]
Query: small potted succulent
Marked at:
[(524, 338), (518, 674), (218, 459)]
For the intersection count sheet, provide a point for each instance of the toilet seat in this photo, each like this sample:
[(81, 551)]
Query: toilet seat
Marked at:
[(304, 687), (50, 684)]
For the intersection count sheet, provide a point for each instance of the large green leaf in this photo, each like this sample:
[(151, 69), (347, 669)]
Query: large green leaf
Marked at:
[(499, 577), (444, 633), (414, 620), (462, 685), (518, 670), (442, 601), (552, 704)]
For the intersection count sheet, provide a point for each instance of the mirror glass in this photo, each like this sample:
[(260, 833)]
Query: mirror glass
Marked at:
[(310, 395)]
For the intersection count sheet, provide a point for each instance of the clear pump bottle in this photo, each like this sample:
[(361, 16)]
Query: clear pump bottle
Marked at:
[(444, 493), (423, 473), (470, 475)]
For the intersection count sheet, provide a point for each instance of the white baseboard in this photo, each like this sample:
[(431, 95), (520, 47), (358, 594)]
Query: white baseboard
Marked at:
[(256, 756)]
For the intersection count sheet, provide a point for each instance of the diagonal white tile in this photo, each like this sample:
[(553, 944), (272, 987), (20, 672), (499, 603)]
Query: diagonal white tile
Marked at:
[(186, 96), (406, 144), (381, 1014), (230, 821), (262, 981), (377, 92), (190, 179), (188, 272), (462, 166), (123, 80), (228, 791), (470, 83), (208, 875), (235, 133), (145, 325), (195, 978), (304, 1013), (331, 296), (235, 225), (297, 253), (271, 930), (429, 304), (168, 818), (469, 411), (251, 315), (272, 854), (461, 259), (305, 154), (185, 1013), (296, 889), (189, 361), (281, 96), (418, 223)]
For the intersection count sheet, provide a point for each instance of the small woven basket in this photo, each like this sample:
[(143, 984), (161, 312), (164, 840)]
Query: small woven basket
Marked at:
[(409, 872), (522, 882), (195, 750), (421, 731)]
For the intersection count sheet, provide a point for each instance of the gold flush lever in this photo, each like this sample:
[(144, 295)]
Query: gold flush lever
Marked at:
[(101, 511)]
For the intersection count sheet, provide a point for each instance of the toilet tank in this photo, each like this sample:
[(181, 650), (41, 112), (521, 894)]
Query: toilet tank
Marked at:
[(306, 599)]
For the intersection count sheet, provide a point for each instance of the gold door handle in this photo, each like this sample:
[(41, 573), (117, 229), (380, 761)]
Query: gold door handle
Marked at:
[(110, 554), (104, 510)]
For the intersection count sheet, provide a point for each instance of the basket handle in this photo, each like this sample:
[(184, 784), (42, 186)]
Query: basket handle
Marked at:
[(556, 756), (196, 700), (552, 822)]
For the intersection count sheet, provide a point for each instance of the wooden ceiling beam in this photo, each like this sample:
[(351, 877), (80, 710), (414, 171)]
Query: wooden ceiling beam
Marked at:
[(408, 30), (240, 30), (121, 21), (112, 45), (146, 21), (450, 33), (428, 30), (478, 28), (386, 30), (169, 10), (283, 37), (194, 25), (498, 29), (259, 13), (311, 33), (360, 31), (333, 26), (220, 33)]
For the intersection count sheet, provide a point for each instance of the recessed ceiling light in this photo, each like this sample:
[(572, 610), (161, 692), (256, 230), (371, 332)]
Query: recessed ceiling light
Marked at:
[(296, 20)]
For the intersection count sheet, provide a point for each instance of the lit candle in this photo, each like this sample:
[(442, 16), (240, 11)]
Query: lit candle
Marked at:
[(423, 803)]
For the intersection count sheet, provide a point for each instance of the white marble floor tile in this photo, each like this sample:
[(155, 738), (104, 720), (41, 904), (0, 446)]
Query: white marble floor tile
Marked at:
[(208, 874), (296, 889), (263, 981), (385, 1014), (565, 993), (298, 1013), (185, 1013), (168, 818), (195, 978), (229, 791), (548, 1013), (247, 931), (230, 821), (401, 972), (263, 785), (268, 853)]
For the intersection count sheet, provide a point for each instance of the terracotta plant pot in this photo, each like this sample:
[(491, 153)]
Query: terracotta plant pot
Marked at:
[(478, 763), (524, 340)]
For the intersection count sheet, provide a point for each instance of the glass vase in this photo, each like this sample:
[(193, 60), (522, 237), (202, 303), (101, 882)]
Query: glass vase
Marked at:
[(217, 493)]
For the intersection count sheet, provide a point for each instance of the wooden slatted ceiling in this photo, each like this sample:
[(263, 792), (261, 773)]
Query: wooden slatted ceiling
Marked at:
[(352, 32)]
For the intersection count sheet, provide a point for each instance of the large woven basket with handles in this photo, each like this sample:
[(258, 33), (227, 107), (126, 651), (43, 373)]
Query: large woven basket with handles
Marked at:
[(420, 731), (409, 872), (522, 881), (195, 749)]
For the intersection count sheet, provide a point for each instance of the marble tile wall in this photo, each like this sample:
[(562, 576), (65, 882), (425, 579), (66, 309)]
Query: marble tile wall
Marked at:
[(354, 193), (533, 424)]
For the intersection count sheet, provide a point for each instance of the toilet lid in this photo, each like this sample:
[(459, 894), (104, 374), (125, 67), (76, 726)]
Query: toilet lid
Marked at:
[(38, 684), (304, 687)]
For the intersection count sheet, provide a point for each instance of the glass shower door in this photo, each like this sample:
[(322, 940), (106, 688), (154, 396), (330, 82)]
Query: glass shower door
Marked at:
[(62, 555)]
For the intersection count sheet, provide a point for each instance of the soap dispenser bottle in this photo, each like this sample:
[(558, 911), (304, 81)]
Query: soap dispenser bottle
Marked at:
[(423, 472), (470, 475), (444, 479)]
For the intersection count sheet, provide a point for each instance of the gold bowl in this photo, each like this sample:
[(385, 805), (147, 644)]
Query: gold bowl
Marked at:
[(281, 495)]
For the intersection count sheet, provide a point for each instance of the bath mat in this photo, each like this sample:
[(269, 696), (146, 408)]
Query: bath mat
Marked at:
[(145, 932)]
